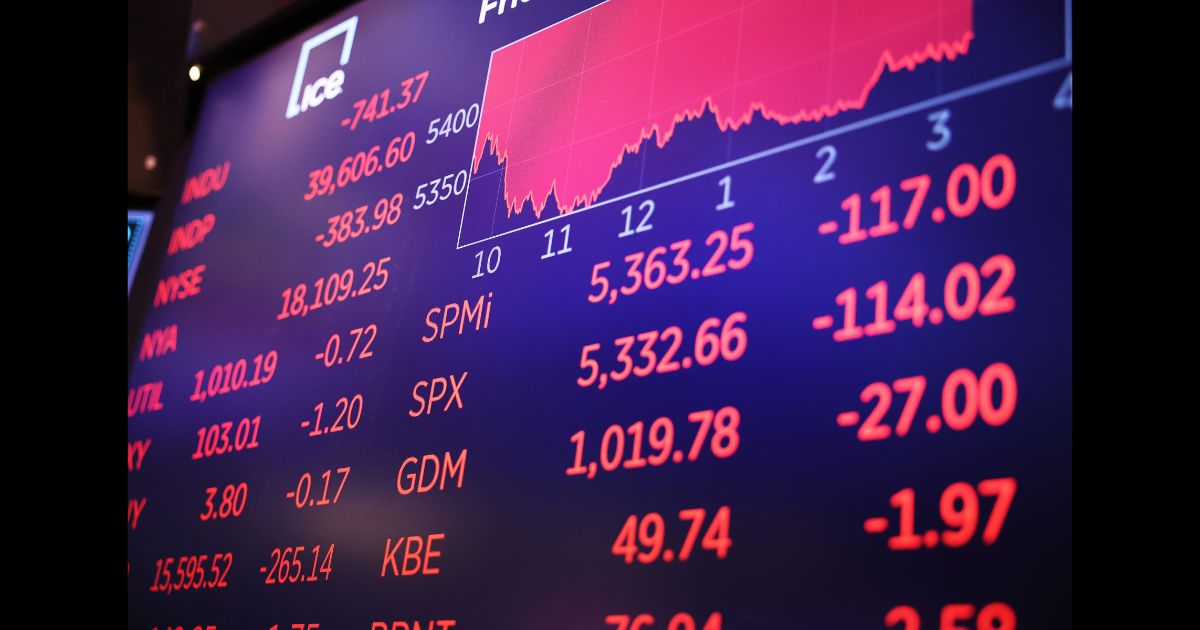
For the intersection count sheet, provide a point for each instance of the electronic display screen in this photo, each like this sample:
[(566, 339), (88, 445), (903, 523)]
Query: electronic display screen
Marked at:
[(139, 231), (634, 314)]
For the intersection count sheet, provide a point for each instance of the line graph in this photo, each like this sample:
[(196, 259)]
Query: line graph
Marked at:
[(565, 107)]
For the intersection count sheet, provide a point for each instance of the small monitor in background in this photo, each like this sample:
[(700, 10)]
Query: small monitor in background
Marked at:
[(139, 230)]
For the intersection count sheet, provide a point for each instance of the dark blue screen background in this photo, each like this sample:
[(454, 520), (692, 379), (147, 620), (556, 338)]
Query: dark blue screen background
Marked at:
[(527, 546)]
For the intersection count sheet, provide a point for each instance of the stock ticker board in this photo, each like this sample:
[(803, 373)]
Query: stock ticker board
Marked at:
[(638, 314)]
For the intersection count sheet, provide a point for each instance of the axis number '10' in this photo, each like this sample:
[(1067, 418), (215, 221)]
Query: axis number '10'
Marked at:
[(493, 262)]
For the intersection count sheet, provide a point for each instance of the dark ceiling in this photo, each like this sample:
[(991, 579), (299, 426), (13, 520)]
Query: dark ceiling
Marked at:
[(165, 38)]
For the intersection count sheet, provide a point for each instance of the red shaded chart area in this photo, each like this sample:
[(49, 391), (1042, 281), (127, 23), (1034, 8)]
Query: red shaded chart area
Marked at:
[(565, 106)]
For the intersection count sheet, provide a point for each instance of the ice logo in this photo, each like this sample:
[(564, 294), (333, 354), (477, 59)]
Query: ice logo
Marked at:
[(326, 87)]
